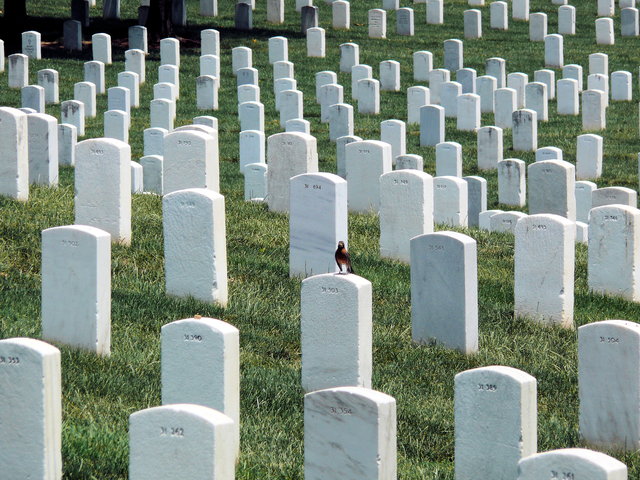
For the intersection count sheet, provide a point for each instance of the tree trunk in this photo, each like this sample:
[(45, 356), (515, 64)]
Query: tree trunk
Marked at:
[(159, 23), (15, 18)]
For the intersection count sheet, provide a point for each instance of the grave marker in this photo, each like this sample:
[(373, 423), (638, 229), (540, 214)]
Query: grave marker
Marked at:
[(76, 270), (444, 290), (195, 246)]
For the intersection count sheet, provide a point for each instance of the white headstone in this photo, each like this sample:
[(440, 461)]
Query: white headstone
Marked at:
[(431, 125), (537, 27), (377, 23), (490, 147), (76, 270), (472, 24), (365, 162), (567, 20), (341, 11), (241, 57), (614, 196), (101, 47), (251, 116), (394, 132), (406, 210), (417, 97), (499, 15), (568, 100), (589, 157), (453, 56), (358, 72), (608, 385), (369, 96), (604, 31), (333, 417), (552, 188), (422, 65), (444, 290), (72, 113), (584, 191), (512, 186), (195, 247), (544, 256), (152, 166), (48, 79), (468, 112), (449, 159), (340, 121), (290, 106), (571, 462), (31, 417), (594, 113), (43, 149), (67, 139), (255, 182), (288, 155), (340, 305), (500, 402), (316, 44), (134, 61), (518, 81), (31, 44), (131, 81), (317, 222), (450, 201), (33, 98), (390, 76), (181, 441), (486, 90), (190, 161), (349, 56), (506, 103), (103, 187), (210, 350), (18, 71), (495, 67), (210, 44)]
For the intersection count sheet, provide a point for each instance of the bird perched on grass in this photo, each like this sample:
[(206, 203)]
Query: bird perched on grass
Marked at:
[(342, 258)]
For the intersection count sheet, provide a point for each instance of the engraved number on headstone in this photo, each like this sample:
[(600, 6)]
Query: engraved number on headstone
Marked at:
[(539, 227), (192, 338), (401, 182), (487, 387), (173, 432), (363, 151), (547, 170), (97, 152), (329, 290), (186, 143), (10, 360), (611, 218), (611, 340), (340, 411), (562, 475), (441, 187), (69, 243), (315, 187), (188, 204), (436, 247)]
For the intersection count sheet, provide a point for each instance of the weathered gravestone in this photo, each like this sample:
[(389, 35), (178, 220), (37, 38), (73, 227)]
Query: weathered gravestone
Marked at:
[(67, 140), (180, 441), (43, 149), (103, 187), (76, 270), (288, 155), (608, 385), (614, 245), (544, 269), (406, 210), (512, 187), (444, 290), (350, 433), (48, 79), (72, 113), (552, 187), (476, 199), (500, 402), (336, 331), (317, 222), (210, 350)]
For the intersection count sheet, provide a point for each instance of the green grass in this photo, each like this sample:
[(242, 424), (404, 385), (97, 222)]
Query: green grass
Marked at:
[(99, 394)]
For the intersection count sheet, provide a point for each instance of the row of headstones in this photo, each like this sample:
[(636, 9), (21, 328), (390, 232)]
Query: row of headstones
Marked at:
[(201, 414)]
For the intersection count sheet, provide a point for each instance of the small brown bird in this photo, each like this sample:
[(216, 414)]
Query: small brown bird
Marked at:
[(342, 258)]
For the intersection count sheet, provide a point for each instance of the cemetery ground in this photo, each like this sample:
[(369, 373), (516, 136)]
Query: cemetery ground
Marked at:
[(99, 394)]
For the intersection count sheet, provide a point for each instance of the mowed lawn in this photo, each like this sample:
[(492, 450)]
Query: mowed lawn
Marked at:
[(99, 394)]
